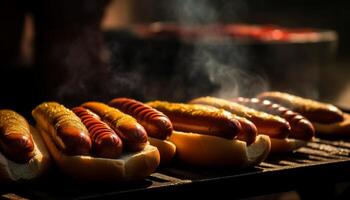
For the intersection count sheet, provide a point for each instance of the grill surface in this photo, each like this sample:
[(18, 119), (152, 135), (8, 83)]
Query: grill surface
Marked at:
[(320, 162)]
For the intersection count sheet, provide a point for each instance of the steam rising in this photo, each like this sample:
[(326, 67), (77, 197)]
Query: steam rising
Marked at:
[(207, 11), (198, 69), (232, 78), (195, 12), (225, 64), (81, 69), (179, 73)]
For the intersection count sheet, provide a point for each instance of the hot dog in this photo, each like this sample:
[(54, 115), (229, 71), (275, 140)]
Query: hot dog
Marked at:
[(271, 125), (22, 153), (301, 128), (248, 132), (128, 166), (133, 134), (312, 110), (105, 142), (199, 119), (156, 124), (16, 141), (213, 137), (341, 128), (65, 128)]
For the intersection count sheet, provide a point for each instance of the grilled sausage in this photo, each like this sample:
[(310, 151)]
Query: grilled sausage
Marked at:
[(248, 132), (133, 135), (105, 142), (199, 119), (65, 128), (271, 125), (301, 128), (312, 110), (156, 123), (16, 141)]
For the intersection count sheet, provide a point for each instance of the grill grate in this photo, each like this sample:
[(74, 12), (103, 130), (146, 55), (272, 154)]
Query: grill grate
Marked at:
[(314, 153), (328, 159)]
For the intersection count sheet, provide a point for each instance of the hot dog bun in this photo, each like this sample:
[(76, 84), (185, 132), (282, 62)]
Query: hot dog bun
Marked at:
[(82, 166), (166, 149), (211, 151), (130, 166), (337, 128), (35, 167), (286, 145)]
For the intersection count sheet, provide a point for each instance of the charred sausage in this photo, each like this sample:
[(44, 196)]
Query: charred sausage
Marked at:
[(271, 125), (301, 128), (156, 123), (133, 135), (105, 142), (313, 110)]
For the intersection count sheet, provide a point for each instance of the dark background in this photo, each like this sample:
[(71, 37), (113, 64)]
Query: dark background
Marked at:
[(291, 13), (310, 70), (23, 83)]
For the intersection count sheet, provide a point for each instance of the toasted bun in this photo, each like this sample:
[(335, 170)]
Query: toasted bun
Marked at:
[(212, 151), (166, 149), (338, 128), (130, 166), (286, 145), (11, 171)]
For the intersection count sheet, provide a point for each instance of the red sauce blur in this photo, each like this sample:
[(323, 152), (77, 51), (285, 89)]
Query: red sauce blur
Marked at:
[(238, 31), (270, 32)]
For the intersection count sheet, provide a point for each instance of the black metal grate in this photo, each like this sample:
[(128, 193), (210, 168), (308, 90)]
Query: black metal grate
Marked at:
[(325, 159)]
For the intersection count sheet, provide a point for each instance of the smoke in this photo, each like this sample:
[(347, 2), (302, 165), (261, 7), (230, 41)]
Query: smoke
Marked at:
[(173, 70), (193, 11), (69, 50), (227, 67), (223, 64), (233, 81), (80, 63), (179, 70), (206, 11), (128, 68)]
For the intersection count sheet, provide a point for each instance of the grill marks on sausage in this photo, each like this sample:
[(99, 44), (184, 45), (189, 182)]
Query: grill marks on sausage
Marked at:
[(267, 124), (156, 123), (313, 110), (65, 128), (301, 128), (105, 142), (133, 135)]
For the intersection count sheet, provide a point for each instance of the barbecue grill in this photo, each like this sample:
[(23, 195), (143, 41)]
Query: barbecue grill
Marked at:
[(67, 52), (312, 170)]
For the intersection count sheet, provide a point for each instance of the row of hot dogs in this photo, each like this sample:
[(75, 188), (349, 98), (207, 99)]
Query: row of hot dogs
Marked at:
[(127, 139)]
